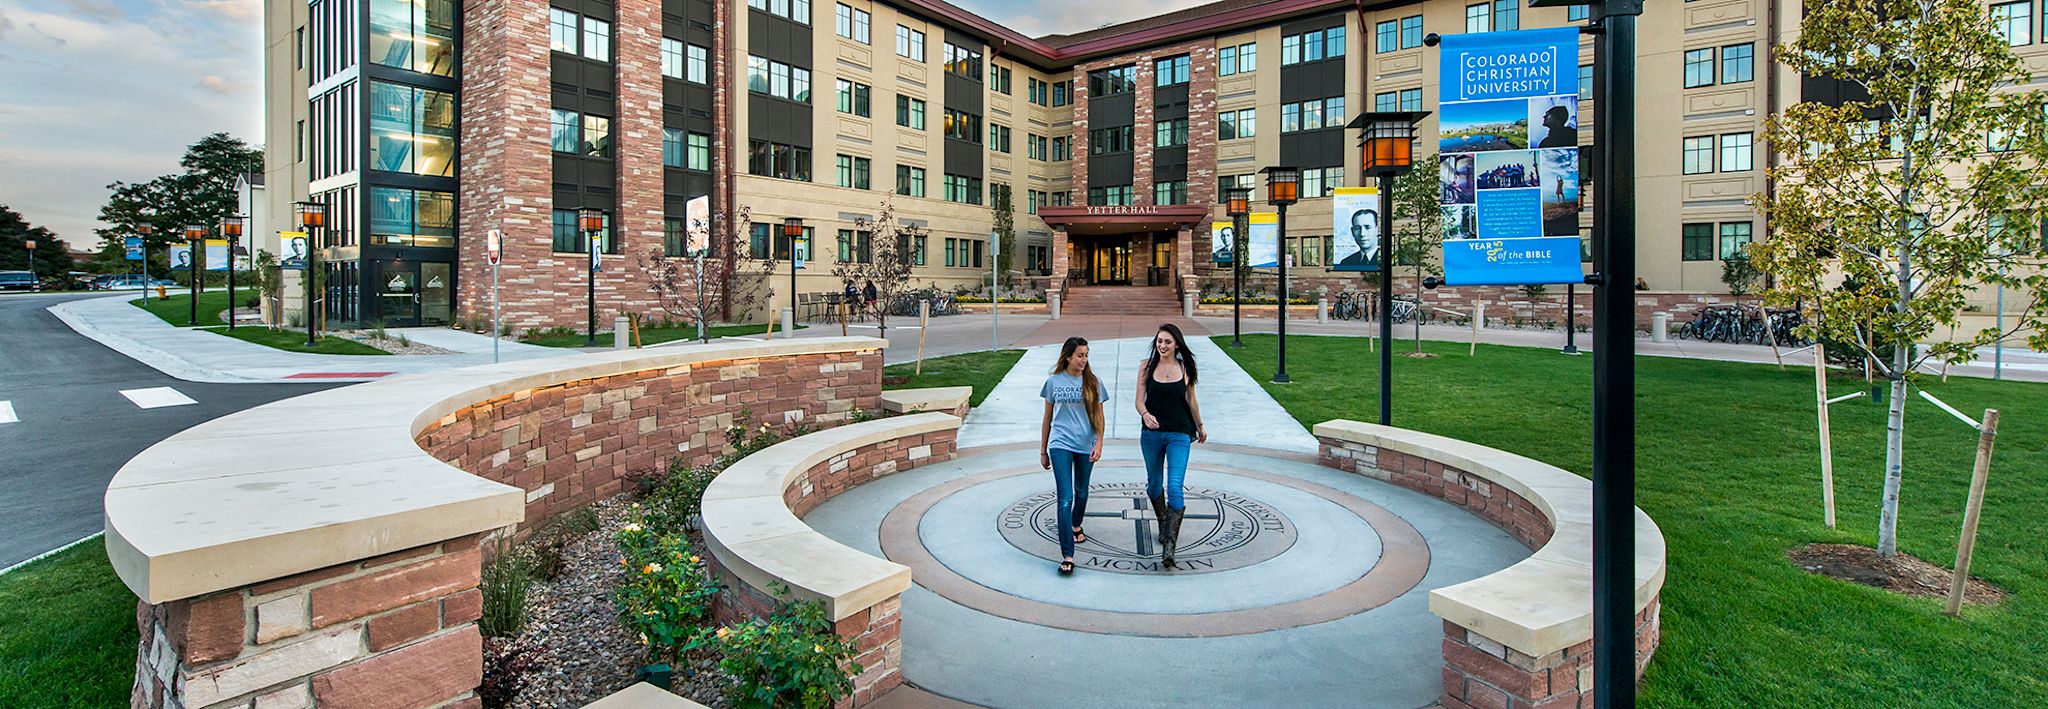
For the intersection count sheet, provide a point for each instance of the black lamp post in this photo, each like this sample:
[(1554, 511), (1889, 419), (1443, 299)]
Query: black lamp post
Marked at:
[(231, 227), (312, 218), (143, 231), (792, 230), (1388, 151), (195, 243), (1283, 187), (1238, 203), (592, 221)]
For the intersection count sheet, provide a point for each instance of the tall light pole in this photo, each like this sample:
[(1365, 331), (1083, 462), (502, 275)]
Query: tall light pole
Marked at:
[(144, 230), (1283, 187), (231, 227), (312, 218), (792, 231), (1388, 151), (592, 221), (195, 240), (1238, 203)]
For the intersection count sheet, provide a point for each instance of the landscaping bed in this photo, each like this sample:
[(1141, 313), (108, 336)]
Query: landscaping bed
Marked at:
[(649, 334)]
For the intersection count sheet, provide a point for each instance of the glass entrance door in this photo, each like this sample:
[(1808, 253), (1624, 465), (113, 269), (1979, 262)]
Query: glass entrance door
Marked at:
[(1111, 263), (398, 293), (437, 288)]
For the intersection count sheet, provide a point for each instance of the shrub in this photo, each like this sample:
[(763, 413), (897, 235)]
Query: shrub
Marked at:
[(667, 592), (504, 584), (505, 668), (790, 659)]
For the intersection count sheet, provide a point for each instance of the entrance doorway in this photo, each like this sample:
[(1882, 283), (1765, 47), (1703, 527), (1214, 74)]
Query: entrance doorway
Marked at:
[(415, 293), (1109, 261)]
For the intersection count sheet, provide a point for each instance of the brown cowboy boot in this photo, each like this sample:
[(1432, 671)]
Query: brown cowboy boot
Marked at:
[(1172, 534)]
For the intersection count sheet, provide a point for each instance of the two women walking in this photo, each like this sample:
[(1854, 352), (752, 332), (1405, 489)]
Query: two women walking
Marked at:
[(1074, 427)]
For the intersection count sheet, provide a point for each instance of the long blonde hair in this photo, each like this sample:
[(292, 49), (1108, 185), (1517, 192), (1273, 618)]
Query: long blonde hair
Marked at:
[(1091, 388)]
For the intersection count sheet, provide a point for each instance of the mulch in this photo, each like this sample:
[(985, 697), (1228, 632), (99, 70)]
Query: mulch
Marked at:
[(1900, 573)]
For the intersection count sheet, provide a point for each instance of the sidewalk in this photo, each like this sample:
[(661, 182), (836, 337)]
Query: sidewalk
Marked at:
[(197, 356)]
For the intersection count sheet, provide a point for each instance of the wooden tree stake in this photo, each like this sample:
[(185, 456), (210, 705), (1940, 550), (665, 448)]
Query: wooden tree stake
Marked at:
[(1967, 545), (1827, 448)]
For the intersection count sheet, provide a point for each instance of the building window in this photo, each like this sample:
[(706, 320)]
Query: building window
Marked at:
[(1387, 101), (699, 152), (999, 193), (853, 171), (909, 43), (962, 189), (1034, 146), (1386, 36), (1241, 59), (671, 58), (856, 246), (412, 130), (961, 125), (1699, 67), (910, 112), (999, 79), (1036, 91), (1321, 181), (776, 160), (1109, 196), (1102, 141), (909, 181), (1171, 71), (853, 98), (1585, 82), (1170, 134), (672, 147), (1226, 61), (798, 11), (767, 76), (413, 36), (853, 24), (675, 237), (1696, 242), (403, 217), (700, 65), (1736, 151), (1312, 115), (1314, 45), (2014, 22), (1033, 198), (569, 236), (564, 130), (1737, 63), (597, 39), (1475, 18), (1411, 32), (760, 242), (1699, 155), (1242, 123), (961, 61), (597, 136), (1734, 236), (1175, 192), (562, 30), (1062, 148), (999, 138), (1411, 99), (1113, 81), (1577, 13), (1062, 93)]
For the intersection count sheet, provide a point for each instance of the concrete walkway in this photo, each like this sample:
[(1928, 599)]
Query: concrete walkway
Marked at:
[(1234, 408), (196, 356)]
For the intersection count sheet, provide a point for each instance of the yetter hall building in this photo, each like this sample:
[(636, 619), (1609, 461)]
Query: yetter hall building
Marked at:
[(423, 124)]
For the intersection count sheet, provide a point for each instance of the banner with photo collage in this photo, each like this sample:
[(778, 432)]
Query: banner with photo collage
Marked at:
[(1508, 157)]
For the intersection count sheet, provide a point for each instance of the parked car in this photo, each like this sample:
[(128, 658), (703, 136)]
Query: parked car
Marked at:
[(19, 280), (130, 281)]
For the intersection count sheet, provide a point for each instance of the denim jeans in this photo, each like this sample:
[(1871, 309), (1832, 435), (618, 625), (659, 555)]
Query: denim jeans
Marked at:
[(1070, 474), (1168, 451)]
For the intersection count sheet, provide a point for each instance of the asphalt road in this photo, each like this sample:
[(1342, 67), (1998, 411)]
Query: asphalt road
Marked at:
[(75, 428)]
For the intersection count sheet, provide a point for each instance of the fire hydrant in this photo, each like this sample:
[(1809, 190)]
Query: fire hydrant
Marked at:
[(161, 294)]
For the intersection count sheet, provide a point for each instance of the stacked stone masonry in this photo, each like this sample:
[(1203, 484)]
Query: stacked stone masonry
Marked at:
[(395, 630), (1479, 671)]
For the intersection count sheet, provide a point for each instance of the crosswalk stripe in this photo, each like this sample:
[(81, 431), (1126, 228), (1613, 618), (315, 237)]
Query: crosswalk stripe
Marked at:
[(157, 397), (7, 412)]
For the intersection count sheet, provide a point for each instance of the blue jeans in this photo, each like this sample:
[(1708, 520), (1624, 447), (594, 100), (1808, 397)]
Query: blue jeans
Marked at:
[(1168, 451), (1070, 474)]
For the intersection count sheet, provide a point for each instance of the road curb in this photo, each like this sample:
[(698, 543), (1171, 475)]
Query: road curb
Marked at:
[(171, 365), (52, 552)]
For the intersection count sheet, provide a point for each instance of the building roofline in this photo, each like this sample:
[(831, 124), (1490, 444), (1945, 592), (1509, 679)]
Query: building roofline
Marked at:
[(1048, 51)]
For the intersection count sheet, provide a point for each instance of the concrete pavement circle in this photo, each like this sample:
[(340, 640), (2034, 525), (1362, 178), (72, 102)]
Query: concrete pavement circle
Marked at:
[(1342, 569), (1223, 530)]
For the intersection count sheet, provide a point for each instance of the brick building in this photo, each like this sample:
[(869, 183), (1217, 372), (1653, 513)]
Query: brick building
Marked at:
[(425, 125)]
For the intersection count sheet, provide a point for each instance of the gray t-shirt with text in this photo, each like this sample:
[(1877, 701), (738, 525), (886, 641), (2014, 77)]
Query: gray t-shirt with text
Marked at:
[(1070, 428)]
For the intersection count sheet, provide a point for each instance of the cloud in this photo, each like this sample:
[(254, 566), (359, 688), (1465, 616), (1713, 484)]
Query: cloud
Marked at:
[(218, 85), (233, 9), (100, 10), (1044, 17), (6, 25)]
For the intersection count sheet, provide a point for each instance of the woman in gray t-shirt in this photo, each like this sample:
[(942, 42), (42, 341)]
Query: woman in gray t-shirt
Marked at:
[(1070, 439)]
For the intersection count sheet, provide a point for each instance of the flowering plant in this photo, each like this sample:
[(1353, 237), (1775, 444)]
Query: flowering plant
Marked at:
[(790, 659), (667, 592)]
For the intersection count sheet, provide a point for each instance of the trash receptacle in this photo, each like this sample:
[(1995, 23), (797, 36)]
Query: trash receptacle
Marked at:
[(1660, 327)]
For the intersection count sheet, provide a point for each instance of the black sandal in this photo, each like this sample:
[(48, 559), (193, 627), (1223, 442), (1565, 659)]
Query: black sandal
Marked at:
[(1080, 537), (1067, 567)]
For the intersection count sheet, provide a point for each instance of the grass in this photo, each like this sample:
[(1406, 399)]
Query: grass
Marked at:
[(177, 309), (67, 632), (1728, 466), (654, 335), (980, 370), (295, 340)]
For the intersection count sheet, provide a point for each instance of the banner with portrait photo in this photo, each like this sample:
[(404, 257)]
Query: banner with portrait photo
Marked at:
[(1508, 159), (294, 245), (1222, 243), (1355, 229), (697, 218), (180, 256), (1265, 240)]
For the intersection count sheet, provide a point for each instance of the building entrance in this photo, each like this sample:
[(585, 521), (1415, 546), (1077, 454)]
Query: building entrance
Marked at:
[(415, 293), (1109, 262)]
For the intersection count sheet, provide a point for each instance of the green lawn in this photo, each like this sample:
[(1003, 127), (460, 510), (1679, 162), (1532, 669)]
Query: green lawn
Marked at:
[(1728, 466), (177, 309), (655, 335), (67, 632), (295, 341), (980, 370)]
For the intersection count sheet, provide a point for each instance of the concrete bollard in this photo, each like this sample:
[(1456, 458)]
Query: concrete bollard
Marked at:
[(1052, 303), (1322, 311), (1187, 305), (622, 334), (1660, 327), (789, 321)]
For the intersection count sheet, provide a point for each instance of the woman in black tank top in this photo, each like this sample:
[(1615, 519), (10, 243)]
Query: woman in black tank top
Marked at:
[(1173, 423)]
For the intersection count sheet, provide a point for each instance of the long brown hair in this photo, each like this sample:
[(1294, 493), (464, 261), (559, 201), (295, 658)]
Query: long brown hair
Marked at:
[(1091, 388), (1180, 353)]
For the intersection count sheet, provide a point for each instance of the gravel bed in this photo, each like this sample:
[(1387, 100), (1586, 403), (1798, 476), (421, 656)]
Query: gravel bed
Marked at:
[(390, 343)]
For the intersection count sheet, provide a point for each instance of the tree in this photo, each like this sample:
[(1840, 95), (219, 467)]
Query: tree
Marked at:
[(202, 194), (1739, 274), (681, 290), (1418, 227), (1910, 209), (893, 249), (51, 260), (1005, 228)]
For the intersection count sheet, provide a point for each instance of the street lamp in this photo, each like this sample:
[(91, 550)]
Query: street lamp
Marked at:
[(143, 231), (1237, 203), (1387, 150), (592, 221), (792, 230), (30, 245), (312, 218), (231, 227), (1283, 187), (195, 240)]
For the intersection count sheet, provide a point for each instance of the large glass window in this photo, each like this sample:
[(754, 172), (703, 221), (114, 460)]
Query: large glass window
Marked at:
[(961, 125), (910, 112), (565, 129), (1103, 141), (1386, 36), (1738, 63), (853, 98), (1699, 67), (597, 136), (909, 43), (1696, 242), (2014, 22), (1411, 32), (699, 152), (1507, 15), (1171, 71), (1734, 236), (786, 162), (561, 30), (1387, 101), (1476, 18), (700, 65), (1736, 152), (412, 130), (909, 181), (962, 189), (1242, 123), (1175, 192), (1170, 133), (853, 171), (597, 39), (765, 76), (998, 138), (961, 61), (671, 147), (1411, 99), (798, 11), (1112, 81), (671, 58), (853, 24), (568, 236), (404, 217), (414, 35), (1699, 155)]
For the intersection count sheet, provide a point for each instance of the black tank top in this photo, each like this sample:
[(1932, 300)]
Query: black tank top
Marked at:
[(1168, 402)]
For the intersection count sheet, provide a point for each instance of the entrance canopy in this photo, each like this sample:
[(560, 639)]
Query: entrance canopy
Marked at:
[(1124, 219)]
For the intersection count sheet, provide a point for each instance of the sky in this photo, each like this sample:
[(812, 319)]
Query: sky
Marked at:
[(94, 91)]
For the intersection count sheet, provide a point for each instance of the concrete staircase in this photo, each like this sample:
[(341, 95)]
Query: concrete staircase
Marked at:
[(1121, 300)]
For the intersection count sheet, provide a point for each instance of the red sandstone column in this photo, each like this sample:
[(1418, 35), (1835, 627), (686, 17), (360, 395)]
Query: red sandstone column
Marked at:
[(638, 221), (507, 169)]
